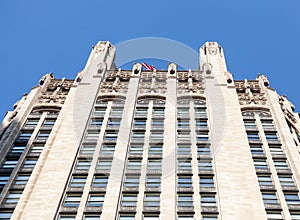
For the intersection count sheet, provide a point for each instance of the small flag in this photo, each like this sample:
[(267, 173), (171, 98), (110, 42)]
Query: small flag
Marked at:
[(148, 67)]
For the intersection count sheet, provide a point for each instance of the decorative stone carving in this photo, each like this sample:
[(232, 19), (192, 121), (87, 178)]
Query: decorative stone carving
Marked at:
[(242, 86), (228, 77), (264, 79), (248, 98), (43, 79), (160, 77), (287, 108), (212, 50), (101, 46), (56, 91), (207, 68), (79, 76)]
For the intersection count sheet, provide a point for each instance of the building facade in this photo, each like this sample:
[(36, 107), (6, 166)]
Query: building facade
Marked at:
[(140, 144)]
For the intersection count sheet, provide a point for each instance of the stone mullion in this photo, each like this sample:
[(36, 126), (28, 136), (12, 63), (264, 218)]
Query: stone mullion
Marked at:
[(23, 200), (141, 195), (273, 170), (94, 162), (194, 154)]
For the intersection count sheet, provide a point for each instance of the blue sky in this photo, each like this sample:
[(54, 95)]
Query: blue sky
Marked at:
[(38, 37)]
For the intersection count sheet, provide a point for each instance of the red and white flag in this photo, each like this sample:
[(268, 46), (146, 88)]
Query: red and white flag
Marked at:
[(148, 67)]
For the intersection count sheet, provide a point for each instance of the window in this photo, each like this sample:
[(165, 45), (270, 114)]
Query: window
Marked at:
[(22, 179), (37, 148), (111, 136), (271, 136), (158, 123), (108, 149), (275, 149), (267, 124), (183, 112), (264, 179), (249, 124), (209, 217), (274, 215), (32, 122), (203, 149), (127, 217), (131, 181), (253, 136), (96, 122), (95, 200), (155, 149), (43, 135), (184, 181), (138, 135), (156, 136), (67, 217), (154, 164), (115, 111), (91, 217), (185, 200), (136, 149), (151, 200), (151, 217), (292, 198), (3, 179), (256, 149), (52, 114), (200, 112), (134, 164), (260, 164), (204, 165), (183, 123), (202, 135), (114, 122), (281, 164), (92, 134), (208, 200), (49, 122), (25, 135), (5, 215), (100, 181), (140, 122), (83, 164), (104, 165), (286, 180), (18, 148), (184, 135), (269, 197), (201, 123), (30, 163), (129, 200), (158, 112), (185, 165), (295, 215), (88, 149), (141, 111), (206, 181), (72, 200), (153, 181), (100, 111), (184, 149), (185, 217), (10, 163), (13, 197), (78, 181)]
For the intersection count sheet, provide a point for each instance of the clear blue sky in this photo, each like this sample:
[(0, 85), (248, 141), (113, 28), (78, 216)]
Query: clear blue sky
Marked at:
[(38, 37)]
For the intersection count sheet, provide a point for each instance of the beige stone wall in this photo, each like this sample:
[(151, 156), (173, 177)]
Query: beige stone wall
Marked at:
[(238, 193)]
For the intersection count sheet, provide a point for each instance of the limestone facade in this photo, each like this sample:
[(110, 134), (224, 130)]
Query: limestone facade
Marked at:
[(140, 144)]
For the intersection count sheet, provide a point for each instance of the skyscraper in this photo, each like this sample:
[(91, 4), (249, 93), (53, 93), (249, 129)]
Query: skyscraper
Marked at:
[(141, 144)]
